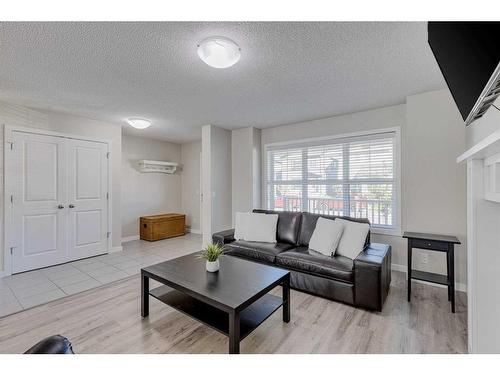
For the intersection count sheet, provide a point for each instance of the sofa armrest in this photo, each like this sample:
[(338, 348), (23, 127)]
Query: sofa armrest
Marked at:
[(223, 237), (372, 276), (52, 345)]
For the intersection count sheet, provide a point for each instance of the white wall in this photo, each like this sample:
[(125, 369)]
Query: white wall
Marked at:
[(221, 179), (190, 182), (245, 167), (484, 126), (432, 137), (256, 166), (216, 172), (434, 186), (147, 193), (206, 187), (21, 116)]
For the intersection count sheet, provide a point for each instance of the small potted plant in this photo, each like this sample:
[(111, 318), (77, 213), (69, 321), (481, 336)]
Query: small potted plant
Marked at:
[(211, 254)]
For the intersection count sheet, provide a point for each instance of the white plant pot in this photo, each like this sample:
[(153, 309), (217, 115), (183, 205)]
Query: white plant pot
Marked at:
[(212, 266)]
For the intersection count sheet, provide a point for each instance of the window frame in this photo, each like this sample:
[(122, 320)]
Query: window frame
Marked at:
[(396, 231)]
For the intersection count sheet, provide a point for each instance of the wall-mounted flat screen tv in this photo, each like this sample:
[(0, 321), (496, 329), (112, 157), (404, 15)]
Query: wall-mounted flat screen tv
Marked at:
[(468, 54)]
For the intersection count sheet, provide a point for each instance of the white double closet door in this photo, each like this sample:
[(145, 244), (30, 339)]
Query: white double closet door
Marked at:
[(59, 200)]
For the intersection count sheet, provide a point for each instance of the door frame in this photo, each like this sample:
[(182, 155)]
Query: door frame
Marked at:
[(200, 196), (8, 188)]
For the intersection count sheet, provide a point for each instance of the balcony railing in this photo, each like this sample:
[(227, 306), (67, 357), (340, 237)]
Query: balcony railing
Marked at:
[(378, 212)]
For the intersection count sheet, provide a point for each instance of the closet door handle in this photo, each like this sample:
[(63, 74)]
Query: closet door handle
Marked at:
[(60, 206), (71, 206)]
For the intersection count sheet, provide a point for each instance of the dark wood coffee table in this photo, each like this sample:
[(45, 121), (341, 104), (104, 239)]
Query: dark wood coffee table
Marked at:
[(233, 301)]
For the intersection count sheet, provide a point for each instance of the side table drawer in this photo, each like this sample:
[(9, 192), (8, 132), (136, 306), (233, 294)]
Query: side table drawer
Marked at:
[(429, 244)]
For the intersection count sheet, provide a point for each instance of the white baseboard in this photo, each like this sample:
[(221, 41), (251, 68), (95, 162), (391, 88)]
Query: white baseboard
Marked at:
[(115, 249), (403, 268), (111, 250), (399, 267), (136, 237), (130, 238)]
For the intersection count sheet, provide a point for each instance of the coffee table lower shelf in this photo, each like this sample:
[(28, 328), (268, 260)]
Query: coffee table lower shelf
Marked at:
[(250, 318)]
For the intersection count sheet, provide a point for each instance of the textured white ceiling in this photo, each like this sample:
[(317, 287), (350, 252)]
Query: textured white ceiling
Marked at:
[(288, 72)]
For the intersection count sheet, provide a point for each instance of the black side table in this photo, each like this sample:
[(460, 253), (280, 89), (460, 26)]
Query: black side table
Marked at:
[(435, 242)]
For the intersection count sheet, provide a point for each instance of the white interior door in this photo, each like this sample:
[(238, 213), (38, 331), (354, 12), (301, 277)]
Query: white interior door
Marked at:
[(38, 199), (87, 198)]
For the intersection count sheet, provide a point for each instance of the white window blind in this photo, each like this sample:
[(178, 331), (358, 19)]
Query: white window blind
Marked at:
[(352, 176)]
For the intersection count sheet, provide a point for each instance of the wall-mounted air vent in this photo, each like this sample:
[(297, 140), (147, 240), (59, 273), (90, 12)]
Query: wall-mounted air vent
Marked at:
[(487, 98)]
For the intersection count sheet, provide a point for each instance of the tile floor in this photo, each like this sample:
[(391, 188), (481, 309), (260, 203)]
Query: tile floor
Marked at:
[(28, 289)]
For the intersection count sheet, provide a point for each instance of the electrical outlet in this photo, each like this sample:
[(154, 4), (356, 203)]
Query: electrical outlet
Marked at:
[(424, 258)]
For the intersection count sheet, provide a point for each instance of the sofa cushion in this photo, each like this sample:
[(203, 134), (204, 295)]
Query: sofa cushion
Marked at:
[(309, 261), (261, 251), (353, 238), (240, 225), (326, 236), (308, 224), (288, 225), (261, 227)]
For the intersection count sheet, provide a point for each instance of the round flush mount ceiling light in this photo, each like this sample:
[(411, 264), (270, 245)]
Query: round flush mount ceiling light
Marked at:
[(139, 123), (219, 52)]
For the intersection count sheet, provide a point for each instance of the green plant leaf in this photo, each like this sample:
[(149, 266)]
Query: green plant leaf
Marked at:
[(212, 252)]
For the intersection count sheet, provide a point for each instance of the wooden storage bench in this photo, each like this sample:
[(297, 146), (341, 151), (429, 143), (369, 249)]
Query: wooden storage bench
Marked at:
[(159, 227)]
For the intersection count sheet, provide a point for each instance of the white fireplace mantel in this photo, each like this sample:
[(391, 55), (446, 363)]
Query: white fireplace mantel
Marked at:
[(487, 150)]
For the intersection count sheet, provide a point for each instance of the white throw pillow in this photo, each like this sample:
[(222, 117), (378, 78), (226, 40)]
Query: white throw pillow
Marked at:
[(261, 227), (240, 225), (326, 236), (353, 239)]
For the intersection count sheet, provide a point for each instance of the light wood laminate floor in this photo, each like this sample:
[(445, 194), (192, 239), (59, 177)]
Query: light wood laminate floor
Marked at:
[(107, 320)]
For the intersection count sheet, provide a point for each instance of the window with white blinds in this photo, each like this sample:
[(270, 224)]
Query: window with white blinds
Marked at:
[(355, 176)]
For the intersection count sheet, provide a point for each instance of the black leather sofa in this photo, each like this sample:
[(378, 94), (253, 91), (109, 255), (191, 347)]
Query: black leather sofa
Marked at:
[(362, 282), (56, 344)]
